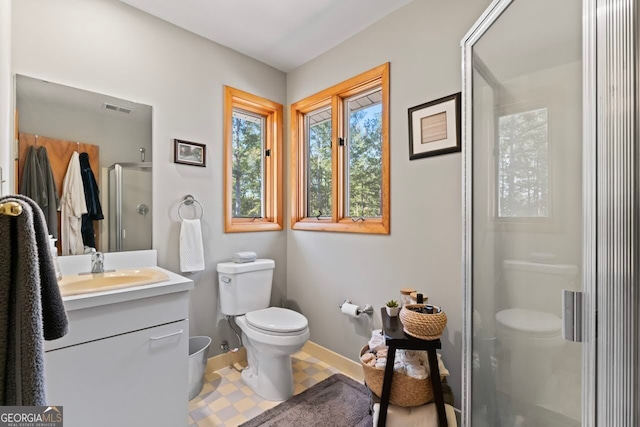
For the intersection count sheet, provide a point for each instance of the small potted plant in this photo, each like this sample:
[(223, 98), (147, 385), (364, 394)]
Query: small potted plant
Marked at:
[(392, 308)]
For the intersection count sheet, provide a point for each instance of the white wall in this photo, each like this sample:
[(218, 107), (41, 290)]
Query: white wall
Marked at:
[(108, 47), (119, 138), (6, 130), (422, 42)]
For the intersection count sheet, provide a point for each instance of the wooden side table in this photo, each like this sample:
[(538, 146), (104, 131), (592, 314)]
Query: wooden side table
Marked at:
[(397, 339)]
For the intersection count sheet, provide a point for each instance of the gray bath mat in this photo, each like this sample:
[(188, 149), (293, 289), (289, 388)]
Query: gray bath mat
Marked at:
[(338, 401)]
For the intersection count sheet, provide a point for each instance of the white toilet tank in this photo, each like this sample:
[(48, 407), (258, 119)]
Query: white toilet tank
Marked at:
[(537, 286), (245, 287)]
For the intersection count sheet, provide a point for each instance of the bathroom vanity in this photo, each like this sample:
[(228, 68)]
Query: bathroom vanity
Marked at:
[(125, 359)]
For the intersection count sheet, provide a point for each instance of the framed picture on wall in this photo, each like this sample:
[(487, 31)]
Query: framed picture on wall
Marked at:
[(435, 127), (189, 153)]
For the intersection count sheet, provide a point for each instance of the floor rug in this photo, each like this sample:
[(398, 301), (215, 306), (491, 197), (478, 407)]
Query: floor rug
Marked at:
[(338, 401)]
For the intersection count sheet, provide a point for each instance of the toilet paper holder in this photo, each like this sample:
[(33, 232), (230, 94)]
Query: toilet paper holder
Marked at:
[(368, 309)]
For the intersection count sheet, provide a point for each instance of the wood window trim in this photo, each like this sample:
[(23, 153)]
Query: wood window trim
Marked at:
[(273, 176), (334, 96)]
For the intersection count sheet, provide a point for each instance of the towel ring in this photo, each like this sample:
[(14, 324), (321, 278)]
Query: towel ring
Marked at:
[(188, 201)]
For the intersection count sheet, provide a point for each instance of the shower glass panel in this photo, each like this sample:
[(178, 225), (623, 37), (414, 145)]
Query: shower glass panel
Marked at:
[(130, 206), (526, 223)]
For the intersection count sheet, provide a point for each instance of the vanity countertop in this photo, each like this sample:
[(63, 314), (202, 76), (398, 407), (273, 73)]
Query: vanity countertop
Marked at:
[(176, 283), (71, 265)]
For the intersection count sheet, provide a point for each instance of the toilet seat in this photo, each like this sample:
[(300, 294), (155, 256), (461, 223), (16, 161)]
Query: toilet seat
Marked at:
[(270, 338), (277, 321), (529, 322)]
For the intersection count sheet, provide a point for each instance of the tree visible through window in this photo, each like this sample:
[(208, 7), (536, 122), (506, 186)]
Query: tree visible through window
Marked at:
[(523, 165), (247, 144), (340, 178), (364, 145), (319, 163), (253, 169)]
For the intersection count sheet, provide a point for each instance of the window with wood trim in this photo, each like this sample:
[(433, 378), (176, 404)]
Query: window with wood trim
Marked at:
[(252, 163), (340, 157)]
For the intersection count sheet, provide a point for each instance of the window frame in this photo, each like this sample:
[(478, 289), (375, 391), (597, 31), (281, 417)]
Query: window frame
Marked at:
[(334, 97), (272, 170)]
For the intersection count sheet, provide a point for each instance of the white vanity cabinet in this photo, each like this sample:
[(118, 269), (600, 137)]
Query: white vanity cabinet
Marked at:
[(124, 361)]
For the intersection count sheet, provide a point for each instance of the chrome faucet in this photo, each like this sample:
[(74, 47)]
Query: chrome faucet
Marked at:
[(97, 262)]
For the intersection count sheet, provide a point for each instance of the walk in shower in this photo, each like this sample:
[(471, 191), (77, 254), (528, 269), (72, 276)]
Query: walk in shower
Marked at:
[(551, 215), (129, 214), (524, 185)]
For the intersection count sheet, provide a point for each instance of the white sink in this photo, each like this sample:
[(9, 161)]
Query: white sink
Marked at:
[(99, 282)]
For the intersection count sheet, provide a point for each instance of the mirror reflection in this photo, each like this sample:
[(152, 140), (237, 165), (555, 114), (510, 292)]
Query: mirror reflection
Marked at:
[(85, 158)]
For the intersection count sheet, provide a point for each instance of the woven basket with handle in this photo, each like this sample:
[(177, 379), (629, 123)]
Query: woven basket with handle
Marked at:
[(424, 326), (405, 390)]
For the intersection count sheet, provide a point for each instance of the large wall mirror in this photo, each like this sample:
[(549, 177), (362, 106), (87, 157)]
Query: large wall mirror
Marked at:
[(80, 151)]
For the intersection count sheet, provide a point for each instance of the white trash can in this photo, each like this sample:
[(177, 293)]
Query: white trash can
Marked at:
[(198, 350)]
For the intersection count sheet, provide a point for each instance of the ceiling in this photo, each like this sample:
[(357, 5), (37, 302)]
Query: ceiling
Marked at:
[(282, 33)]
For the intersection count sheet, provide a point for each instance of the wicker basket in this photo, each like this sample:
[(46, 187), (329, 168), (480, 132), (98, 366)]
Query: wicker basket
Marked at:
[(421, 325), (405, 391)]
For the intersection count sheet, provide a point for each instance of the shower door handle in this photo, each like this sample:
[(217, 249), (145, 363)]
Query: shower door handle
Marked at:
[(572, 327)]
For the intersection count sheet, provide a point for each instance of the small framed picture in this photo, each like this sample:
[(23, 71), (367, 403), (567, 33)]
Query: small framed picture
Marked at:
[(189, 153), (434, 127)]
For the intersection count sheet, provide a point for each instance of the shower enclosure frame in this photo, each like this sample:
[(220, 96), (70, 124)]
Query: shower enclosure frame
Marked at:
[(118, 170), (486, 20)]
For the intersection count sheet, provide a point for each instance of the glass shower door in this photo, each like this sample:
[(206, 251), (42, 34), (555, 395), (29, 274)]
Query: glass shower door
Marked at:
[(525, 184), (136, 208), (130, 206)]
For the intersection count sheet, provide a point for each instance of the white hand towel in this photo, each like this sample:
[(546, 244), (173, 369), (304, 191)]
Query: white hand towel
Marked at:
[(376, 343), (409, 356), (417, 371), (381, 363), (399, 367), (444, 372), (191, 249)]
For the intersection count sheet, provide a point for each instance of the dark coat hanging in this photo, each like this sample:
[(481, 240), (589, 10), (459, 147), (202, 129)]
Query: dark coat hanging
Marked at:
[(92, 197), (51, 209)]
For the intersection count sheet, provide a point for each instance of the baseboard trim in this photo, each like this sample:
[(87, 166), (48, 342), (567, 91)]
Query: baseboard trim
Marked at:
[(227, 359), (346, 365)]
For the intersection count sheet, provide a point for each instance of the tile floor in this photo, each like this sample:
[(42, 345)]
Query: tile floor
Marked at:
[(225, 401)]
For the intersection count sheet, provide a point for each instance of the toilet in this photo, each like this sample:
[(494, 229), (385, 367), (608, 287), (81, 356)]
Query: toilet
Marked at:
[(270, 334), (530, 328)]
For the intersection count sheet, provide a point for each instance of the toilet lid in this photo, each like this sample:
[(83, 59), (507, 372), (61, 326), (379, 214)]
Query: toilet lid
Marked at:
[(536, 322), (275, 319)]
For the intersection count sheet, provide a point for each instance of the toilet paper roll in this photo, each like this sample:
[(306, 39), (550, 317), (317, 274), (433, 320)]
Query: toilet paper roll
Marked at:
[(350, 309)]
